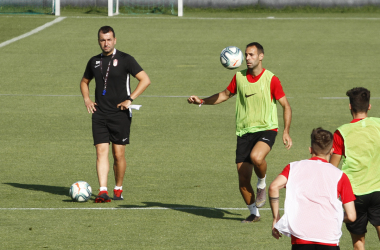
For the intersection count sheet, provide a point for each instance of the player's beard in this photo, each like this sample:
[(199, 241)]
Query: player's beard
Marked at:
[(253, 64), (107, 50)]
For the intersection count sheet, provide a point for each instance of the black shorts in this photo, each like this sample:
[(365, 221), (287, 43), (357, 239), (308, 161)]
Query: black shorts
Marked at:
[(113, 127), (367, 209), (313, 247), (246, 143)]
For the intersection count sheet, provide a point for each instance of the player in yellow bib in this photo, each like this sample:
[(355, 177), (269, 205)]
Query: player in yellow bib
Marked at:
[(257, 92), (358, 143)]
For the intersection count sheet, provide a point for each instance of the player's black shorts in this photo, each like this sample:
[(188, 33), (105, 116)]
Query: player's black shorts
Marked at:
[(246, 143), (313, 247), (113, 127), (367, 209)]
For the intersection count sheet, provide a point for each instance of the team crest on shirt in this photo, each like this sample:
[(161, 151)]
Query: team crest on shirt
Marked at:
[(115, 61)]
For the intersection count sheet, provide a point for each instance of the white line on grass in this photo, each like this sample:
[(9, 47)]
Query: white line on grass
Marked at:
[(172, 96), (333, 97), (39, 95), (32, 32), (122, 16), (342, 97), (239, 18), (127, 208), (167, 96), (161, 96), (154, 96)]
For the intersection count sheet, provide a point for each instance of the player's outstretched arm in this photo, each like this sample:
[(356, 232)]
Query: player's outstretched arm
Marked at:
[(274, 199), (90, 105), (212, 100), (287, 140)]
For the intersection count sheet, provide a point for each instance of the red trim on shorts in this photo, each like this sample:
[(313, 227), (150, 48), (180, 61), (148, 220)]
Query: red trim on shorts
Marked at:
[(297, 241)]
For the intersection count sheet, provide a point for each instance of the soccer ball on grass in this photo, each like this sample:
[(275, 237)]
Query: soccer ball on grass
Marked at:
[(80, 191), (231, 57)]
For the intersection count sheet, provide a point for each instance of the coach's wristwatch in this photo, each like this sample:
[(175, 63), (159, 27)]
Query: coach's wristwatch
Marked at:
[(129, 98)]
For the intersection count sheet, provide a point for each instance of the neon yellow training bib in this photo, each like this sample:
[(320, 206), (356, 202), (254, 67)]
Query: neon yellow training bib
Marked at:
[(362, 149), (255, 109)]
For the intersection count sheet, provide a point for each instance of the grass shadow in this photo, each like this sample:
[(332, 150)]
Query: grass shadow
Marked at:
[(208, 212), (45, 188)]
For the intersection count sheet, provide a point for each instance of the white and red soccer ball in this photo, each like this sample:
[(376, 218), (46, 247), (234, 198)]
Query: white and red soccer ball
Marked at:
[(80, 191), (231, 57)]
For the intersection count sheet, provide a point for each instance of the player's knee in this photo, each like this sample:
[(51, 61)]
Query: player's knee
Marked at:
[(257, 160), (101, 151), (272, 188), (118, 157)]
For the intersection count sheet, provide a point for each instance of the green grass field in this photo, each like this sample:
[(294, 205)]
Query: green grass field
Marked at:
[(181, 189)]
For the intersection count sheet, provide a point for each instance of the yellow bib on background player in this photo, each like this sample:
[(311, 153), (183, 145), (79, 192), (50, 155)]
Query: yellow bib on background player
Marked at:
[(362, 162)]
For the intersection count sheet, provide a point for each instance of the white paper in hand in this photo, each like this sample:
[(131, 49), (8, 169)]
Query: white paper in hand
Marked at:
[(136, 107)]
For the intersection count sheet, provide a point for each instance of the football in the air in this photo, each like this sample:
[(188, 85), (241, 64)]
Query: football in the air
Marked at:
[(80, 191), (231, 57)]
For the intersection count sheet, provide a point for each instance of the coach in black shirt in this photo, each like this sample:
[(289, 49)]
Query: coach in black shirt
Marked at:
[(111, 116)]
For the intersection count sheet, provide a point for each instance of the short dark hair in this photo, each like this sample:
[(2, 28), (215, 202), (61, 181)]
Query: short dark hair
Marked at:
[(259, 47), (359, 99), (105, 30), (321, 141)]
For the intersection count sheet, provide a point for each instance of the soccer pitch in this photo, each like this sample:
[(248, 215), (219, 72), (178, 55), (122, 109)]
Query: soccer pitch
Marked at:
[(181, 186)]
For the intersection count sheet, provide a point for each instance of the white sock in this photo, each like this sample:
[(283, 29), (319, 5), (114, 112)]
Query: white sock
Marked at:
[(102, 189), (253, 209), (118, 188), (261, 183)]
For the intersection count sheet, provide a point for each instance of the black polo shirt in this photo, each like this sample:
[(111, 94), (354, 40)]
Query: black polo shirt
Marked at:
[(118, 84)]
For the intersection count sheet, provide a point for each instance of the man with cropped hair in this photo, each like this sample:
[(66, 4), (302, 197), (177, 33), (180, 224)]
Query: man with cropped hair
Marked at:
[(257, 92), (111, 112), (358, 143), (316, 193)]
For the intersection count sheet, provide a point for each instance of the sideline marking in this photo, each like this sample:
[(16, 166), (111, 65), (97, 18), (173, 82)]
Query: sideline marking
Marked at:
[(167, 96), (336, 98), (239, 18), (32, 32), (124, 16), (212, 18), (131, 208), (40, 95), (152, 96), (156, 96)]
